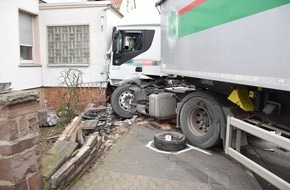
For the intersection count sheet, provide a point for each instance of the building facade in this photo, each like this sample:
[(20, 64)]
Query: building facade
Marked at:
[(41, 41)]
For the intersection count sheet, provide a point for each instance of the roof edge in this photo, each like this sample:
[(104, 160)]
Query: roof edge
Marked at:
[(72, 5)]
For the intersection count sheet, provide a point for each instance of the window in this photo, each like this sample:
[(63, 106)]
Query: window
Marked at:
[(129, 42), (26, 37), (68, 44)]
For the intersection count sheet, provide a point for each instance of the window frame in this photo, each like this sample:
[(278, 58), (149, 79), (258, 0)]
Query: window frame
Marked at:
[(32, 60)]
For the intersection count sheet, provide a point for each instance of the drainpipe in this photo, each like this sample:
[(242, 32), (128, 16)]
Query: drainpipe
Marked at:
[(103, 18)]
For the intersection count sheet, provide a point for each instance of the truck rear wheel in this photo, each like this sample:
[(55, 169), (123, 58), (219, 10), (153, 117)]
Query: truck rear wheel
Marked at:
[(120, 101), (201, 119)]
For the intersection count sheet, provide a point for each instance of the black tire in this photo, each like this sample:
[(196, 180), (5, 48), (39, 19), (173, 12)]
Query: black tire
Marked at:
[(201, 119), (120, 99), (177, 142)]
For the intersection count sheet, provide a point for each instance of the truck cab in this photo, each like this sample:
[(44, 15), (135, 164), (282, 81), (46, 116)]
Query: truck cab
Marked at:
[(135, 46)]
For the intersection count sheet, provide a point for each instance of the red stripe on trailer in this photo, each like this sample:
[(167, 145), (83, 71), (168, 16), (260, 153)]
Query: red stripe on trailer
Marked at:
[(190, 6)]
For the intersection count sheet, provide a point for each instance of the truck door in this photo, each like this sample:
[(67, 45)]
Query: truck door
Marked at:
[(128, 44)]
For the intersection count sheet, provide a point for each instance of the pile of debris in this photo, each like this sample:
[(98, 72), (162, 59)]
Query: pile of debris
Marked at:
[(87, 138)]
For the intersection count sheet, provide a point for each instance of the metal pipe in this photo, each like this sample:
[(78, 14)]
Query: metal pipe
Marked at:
[(102, 18)]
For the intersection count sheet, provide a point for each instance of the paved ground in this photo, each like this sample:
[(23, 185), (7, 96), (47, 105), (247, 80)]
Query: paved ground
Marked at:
[(271, 157), (133, 165)]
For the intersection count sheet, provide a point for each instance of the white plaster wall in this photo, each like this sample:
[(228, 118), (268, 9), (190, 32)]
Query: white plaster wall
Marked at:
[(98, 40), (21, 77)]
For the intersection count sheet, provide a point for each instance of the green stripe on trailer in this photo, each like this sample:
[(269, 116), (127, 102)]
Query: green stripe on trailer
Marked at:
[(210, 13)]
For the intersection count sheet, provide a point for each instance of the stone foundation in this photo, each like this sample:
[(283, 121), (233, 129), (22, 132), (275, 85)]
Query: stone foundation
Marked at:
[(19, 135)]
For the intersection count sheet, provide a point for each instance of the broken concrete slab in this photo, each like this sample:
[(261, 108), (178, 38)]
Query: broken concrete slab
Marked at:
[(91, 143), (90, 124), (56, 156), (85, 155), (61, 173), (70, 132), (92, 139)]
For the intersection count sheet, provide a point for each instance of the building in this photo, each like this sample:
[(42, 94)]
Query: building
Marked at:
[(20, 61), (41, 40)]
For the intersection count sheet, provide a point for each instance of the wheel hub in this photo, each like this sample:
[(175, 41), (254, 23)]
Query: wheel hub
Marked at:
[(125, 100), (199, 121)]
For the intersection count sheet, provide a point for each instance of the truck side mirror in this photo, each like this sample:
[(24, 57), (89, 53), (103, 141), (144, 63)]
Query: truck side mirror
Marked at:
[(114, 31), (114, 44), (115, 34)]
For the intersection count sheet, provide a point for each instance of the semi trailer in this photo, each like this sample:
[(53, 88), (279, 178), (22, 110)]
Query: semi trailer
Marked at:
[(218, 59)]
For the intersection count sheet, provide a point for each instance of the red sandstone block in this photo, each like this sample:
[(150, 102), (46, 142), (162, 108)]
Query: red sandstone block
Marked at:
[(15, 168), (21, 185), (34, 128), (2, 110), (19, 146), (35, 181), (8, 130), (11, 186), (23, 126), (33, 123), (23, 164), (6, 173), (20, 109)]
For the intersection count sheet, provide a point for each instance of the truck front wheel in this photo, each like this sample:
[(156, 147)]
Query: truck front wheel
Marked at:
[(120, 101), (201, 119)]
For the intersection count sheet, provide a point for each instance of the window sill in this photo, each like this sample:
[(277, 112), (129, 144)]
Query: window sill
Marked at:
[(68, 65), (29, 65)]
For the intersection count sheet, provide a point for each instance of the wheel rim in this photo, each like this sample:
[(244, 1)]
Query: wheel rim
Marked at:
[(198, 121), (125, 99)]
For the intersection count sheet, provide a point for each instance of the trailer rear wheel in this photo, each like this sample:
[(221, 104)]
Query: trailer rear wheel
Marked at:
[(120, 101), (201, 118)]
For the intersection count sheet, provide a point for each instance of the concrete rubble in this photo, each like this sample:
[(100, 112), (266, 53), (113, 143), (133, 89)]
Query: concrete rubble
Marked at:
[(86, 139)]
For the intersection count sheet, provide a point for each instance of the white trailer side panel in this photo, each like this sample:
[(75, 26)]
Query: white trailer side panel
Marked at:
[(254, 50)]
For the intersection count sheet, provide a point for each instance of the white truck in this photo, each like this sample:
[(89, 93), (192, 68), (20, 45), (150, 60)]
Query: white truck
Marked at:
[(218, 59), (134, 61)]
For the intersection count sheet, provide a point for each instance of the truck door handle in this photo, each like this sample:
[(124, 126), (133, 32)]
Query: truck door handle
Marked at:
[(138, 69)]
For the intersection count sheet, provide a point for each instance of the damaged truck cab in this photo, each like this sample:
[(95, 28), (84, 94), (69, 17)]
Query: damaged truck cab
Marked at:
[(135, 46)]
